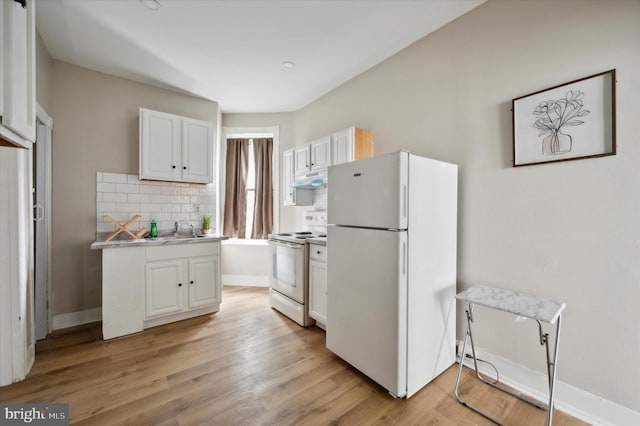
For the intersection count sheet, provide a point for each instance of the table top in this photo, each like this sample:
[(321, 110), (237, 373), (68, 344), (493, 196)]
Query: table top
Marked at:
[(521, 304)]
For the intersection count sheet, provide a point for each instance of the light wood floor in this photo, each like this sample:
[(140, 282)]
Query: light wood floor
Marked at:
[(244, 365)]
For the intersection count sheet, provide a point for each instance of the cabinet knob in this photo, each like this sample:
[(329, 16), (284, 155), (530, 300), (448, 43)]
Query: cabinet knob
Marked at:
[(318, 251), (179, 284), (190, 282), (173, 167), (184, 167)]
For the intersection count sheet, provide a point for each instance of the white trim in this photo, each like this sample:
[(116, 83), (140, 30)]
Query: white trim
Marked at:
[(576, 402), (166, 319), (244, 242), (72, 319), (250, 132), (246, 280), (45, 119)]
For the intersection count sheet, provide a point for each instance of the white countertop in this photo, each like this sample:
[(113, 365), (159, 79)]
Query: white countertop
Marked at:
[(521, 304), (100, 244), (321, 241)]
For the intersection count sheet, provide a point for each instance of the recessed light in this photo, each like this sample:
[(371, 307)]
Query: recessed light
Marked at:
[(289, 65), (151, 4)]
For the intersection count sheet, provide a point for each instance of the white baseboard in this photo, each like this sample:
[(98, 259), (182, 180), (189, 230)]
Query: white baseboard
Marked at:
[(246, 280), (576, 402), (72, 319)]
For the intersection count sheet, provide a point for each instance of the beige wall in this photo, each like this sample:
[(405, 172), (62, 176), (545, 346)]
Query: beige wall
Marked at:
[(288, 140), (44, 73), (95, 129), (567, 231)]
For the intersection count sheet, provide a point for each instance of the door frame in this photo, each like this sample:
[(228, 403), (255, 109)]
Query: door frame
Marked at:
[(44, 118)]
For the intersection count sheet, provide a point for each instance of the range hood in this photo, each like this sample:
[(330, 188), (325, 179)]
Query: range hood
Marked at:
[(311, 180)]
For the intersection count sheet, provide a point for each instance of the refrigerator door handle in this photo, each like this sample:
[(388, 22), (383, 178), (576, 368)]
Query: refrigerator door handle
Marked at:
[(404, 258), (404, 201)]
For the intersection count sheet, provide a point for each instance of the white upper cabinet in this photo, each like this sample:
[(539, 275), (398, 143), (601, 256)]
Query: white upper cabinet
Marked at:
[(293, 196), (288, 177), (160, 143), (320, 153), (343, 146), (17, 72), (197, 150), (313, 156), (302, 160), (351, 144), (175, 148)]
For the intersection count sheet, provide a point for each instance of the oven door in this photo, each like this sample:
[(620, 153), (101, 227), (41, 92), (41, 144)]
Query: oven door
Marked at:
[(288, 269)]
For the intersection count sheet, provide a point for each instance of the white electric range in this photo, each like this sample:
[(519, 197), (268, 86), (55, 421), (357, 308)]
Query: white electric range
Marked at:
[(289, 279)]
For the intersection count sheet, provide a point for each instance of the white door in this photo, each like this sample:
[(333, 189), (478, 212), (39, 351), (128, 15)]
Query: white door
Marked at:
[(370, 193), (288, 178), (288, 270), (197, 144), (301, 160), (318, 290), (159, 146), (367, 302), (321, 153), (18, 54), (164, 283), (40, 233), (203, 285), (343, 146)]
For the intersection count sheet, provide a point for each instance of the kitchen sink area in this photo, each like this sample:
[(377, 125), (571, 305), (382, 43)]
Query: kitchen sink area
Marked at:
[(100, 243)]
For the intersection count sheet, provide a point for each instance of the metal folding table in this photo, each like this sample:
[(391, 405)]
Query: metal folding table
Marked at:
[(523, 305)]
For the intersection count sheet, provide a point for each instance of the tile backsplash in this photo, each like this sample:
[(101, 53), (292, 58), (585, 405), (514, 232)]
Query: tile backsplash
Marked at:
[(122, 196)]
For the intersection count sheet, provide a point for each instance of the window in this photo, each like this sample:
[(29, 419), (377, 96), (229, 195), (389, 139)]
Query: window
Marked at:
[(253, 216)]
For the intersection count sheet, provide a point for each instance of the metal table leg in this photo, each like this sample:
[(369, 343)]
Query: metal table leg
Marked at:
[(551, 371)]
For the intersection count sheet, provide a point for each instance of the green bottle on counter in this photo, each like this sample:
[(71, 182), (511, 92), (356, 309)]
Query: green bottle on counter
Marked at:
[(154, 229)]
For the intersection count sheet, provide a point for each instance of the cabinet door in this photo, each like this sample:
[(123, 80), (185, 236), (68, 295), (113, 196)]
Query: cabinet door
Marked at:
[(321, 153), (302, 162), (159, 146), (197, 151), (204, 286), (343, 146), (164, 287), (18, 93), (288, 177), (318, 291)]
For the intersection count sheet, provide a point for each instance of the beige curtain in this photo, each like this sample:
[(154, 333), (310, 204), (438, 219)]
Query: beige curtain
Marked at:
[(235, 206), (263, 210)]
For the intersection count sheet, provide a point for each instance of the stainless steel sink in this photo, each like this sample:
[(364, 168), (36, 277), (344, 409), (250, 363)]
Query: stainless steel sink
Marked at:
[(176, 237)]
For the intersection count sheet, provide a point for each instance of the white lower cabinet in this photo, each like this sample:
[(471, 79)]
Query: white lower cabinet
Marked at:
[(318, 283), (204, 285), (180, 285), (164, 288), (147, 286)]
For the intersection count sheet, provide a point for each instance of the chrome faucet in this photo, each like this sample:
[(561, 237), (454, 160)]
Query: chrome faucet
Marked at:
[(193, 230), (175, 228)]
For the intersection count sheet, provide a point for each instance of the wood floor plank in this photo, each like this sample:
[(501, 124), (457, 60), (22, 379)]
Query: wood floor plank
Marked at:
[(245, 365)]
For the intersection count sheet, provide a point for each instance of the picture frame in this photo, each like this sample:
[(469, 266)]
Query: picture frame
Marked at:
[(570, 121)]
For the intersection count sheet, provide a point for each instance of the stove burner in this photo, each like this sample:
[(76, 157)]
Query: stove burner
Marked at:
[(284, 234), (304, 233)]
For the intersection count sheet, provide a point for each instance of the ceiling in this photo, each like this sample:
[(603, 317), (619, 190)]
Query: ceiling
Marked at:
[(232, 51)]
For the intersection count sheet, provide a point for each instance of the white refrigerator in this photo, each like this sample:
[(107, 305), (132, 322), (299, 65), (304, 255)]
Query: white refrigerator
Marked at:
[(391, 268)]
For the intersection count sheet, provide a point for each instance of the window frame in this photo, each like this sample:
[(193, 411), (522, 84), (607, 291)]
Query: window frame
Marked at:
[(248, 133)]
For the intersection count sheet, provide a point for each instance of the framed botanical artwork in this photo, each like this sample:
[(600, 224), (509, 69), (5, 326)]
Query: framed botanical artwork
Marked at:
[(571, 121)]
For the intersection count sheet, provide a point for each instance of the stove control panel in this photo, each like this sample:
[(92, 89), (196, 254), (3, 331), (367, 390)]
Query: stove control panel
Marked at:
[(315, 218)]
